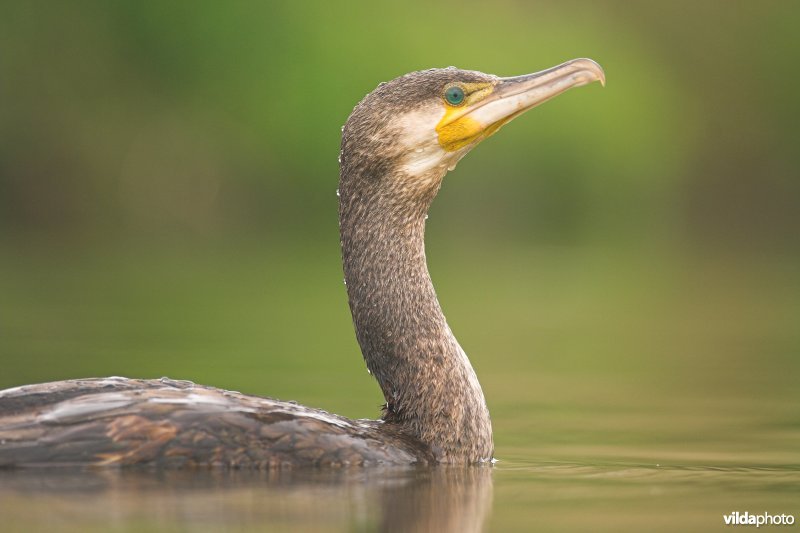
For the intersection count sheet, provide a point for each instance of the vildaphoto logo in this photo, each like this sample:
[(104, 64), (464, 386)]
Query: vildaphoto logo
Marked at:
[(765, 519)]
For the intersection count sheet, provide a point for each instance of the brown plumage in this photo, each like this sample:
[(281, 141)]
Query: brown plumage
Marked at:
[(167, 423), (397, 145)]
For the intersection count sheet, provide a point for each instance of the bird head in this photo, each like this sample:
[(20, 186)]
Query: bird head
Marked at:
[(415, 128)]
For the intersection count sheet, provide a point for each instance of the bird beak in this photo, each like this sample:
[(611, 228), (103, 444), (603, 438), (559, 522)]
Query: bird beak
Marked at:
[(511, 97)]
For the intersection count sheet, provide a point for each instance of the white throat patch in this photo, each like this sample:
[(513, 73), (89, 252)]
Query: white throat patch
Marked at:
[(423, 156)]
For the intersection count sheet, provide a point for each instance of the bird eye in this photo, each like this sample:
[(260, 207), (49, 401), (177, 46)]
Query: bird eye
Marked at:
[(454, 95)]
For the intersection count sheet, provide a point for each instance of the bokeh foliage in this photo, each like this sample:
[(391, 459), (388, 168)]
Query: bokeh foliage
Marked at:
[(196, 119)]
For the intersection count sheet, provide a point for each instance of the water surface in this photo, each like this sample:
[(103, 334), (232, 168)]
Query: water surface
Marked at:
[(628, 391), (514, 496)]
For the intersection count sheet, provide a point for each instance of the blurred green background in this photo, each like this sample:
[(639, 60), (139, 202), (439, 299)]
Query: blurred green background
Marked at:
[(621, 263)]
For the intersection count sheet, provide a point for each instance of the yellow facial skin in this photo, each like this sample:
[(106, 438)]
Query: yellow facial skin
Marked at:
[(456, 129)]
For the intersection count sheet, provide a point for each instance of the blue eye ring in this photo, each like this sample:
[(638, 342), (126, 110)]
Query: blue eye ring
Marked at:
[(454, 95)]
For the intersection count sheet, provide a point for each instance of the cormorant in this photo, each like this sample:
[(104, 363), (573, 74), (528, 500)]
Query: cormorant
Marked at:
[(397, 145)]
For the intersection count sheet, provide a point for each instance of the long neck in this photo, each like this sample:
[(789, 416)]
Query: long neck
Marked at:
[(431, 389)]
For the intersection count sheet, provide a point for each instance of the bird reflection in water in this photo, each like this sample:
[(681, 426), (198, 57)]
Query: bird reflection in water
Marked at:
[(444, 498)]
